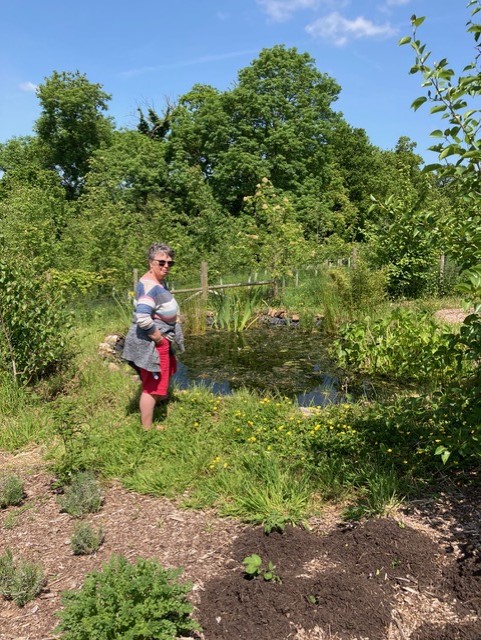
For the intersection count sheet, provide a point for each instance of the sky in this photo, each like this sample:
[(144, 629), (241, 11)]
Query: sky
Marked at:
[(150, 52)]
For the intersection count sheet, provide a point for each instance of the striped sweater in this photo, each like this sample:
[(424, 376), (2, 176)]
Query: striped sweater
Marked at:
[(155, 307)]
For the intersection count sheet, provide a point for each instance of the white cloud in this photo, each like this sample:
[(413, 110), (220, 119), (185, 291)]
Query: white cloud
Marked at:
[(396, 3), (28, 86), (280, 10), (339, 30)]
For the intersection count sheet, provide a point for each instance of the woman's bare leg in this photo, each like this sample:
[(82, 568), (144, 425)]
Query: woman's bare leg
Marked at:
[(147, 405)]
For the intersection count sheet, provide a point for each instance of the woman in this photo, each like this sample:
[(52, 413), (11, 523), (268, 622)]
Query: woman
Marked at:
[(149, 344)]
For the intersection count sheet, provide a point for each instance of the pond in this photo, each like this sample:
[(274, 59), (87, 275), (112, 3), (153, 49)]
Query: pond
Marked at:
[(280, 359)]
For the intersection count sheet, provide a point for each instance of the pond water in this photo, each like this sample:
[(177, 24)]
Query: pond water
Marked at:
[(280, 359)]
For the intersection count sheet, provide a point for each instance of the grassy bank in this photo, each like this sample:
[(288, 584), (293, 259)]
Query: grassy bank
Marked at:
[(258, 458)]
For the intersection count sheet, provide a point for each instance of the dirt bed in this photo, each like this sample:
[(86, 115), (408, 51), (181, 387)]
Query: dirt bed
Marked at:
[(415, 576)]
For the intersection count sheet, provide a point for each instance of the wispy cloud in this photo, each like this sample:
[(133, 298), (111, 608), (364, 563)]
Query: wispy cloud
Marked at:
[(188, 63), (339, 30), (281, 10), (27, 86), (396, 3)]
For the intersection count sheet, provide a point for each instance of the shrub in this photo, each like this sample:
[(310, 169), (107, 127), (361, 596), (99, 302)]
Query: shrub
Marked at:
[(34, 324), (11, 490), (85, 540), (20, 581), (82, 496), (140, 601)]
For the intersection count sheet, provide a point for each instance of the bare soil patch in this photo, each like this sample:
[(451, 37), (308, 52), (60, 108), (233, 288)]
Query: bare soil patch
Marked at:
[(416, 576)]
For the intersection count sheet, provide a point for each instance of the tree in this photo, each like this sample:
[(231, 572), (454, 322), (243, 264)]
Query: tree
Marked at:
[(456, 99), (272, 234), (275, 122), (72, 125)]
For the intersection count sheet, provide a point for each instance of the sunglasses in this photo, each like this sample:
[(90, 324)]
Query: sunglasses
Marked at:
[(162, 263)]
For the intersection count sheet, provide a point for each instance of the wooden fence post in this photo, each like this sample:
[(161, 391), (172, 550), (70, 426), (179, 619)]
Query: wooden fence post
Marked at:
[(442, 269), (353, 261), (135, 276), (204, 283)]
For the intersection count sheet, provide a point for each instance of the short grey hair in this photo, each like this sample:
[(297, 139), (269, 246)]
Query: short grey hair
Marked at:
[(159, 247)]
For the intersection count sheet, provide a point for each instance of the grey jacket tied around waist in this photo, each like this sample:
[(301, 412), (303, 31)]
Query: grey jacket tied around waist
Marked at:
[(139, 349)]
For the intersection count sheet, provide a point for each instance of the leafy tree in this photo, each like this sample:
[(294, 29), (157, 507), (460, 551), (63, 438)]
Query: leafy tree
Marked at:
[(72, 125), (33, 210), (154, 126), (456, 99), (272, 235), (275, 122)]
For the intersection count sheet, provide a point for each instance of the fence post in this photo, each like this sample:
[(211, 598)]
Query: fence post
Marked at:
[(203, 280), (353, 257), (135, 276), (442, 269)]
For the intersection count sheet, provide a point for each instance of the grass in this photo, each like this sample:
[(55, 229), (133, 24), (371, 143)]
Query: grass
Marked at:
[(253, 457)]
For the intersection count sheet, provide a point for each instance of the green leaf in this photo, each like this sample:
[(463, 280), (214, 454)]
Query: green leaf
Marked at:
[(417, 22), (418, 102), (404, 40), (437, 108)]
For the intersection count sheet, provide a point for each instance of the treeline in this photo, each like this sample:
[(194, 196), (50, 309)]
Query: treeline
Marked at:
[(265, 174)]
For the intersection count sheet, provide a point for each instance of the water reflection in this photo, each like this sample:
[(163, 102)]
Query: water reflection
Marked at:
[(272, 359)]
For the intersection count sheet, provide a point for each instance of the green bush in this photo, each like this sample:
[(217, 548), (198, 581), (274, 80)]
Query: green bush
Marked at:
[(85, 539), (11, 490), (82, 496), (404, 345), (20, 581), (34, 324), (141, 601)]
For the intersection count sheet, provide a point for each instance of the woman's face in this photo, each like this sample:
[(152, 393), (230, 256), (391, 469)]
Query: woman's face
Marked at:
[(160, 265)]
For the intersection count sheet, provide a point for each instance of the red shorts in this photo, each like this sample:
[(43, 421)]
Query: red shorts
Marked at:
[(168, 366)]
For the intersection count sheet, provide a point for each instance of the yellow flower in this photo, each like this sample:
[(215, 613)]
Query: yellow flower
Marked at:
[(389, 450)]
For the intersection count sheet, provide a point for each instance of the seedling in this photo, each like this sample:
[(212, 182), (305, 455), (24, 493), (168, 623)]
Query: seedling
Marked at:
[(254, 567)]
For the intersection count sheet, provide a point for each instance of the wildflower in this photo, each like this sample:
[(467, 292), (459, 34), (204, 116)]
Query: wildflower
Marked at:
[(389, 450)]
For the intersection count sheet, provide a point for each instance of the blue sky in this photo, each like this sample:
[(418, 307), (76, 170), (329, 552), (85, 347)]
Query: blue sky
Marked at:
[(147, 52)]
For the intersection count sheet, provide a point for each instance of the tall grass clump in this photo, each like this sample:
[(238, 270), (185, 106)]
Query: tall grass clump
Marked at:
[(339, 294), (268, 492), (236, 310)]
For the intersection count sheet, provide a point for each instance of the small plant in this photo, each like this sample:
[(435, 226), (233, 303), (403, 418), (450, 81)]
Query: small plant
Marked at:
[(82, 496), (380, 497), (124, 600), (254, 567), (11, 490), (20, 581), (85, 539)]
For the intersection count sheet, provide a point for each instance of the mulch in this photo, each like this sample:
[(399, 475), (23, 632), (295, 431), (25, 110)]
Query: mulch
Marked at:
[(413, 577)]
